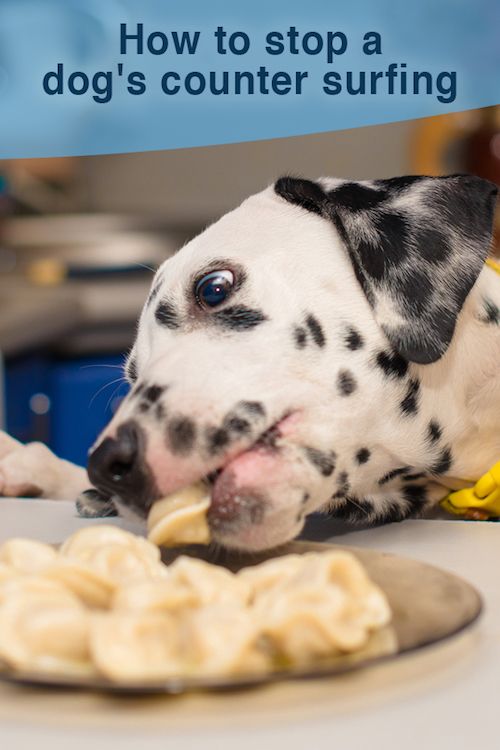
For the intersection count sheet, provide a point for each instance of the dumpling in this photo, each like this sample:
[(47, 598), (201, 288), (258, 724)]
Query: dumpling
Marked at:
[(155, 596), (137, 646), (26, 555), (211, 584), (92, 587), (125, 564), (105, 557), (30, 585), (180, 518), (329, 606), (83, 544), (264, 576), (7, 574), (44, 628), (225, 639)]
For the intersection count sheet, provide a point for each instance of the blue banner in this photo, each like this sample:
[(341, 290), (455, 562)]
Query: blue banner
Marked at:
[(107, 76)]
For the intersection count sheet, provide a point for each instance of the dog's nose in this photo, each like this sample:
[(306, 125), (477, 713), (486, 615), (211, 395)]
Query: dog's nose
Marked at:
[(115, 464)]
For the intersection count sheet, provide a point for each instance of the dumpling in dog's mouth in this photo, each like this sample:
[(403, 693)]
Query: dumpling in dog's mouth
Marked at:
[(192, 514), (180, 518)]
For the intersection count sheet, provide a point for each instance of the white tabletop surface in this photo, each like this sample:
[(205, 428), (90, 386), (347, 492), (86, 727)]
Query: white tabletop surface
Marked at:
[(444, 697)]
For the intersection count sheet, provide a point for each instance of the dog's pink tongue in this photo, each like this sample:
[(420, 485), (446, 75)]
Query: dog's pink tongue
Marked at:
[(246, 484), (254, 479)]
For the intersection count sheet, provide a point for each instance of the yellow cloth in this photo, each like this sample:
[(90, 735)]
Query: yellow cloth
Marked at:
[(495, 265), (481, 501)]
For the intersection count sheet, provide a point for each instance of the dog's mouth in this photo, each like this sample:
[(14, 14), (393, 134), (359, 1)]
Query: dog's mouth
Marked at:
[(239, 488), (243, 488)]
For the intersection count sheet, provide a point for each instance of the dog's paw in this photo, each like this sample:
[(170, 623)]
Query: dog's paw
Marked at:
[(91, 504), (34, 471)]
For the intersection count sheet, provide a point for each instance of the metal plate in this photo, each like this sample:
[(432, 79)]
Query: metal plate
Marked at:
[(428, 605)]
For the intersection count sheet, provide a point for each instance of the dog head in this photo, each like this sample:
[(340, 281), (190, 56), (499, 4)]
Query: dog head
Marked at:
[(277, 354)]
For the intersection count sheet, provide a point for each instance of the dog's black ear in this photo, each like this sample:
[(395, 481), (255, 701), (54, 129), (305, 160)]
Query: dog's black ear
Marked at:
[(417, 245)]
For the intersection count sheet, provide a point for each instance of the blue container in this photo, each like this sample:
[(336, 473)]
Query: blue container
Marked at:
[(27, 406), (84, 393)]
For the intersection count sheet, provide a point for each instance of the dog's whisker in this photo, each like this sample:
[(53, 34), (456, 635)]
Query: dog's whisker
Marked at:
[(110, 399), (110, 367), (360, 507), (103, 388), (146, 267)]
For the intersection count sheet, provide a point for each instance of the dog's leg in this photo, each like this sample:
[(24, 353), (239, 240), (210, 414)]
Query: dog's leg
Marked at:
[(34, 471)]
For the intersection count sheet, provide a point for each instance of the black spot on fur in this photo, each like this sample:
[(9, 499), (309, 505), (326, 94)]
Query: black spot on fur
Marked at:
[(300, 337), (324, 461), (417, 291), (395, 512), (416, 496), (153, 294), (237, 424), (434, 246), (153, 393), (409, 405), (394, 234), (238, 318), (443, 463), (166, 316), (434, 431), (138, 389), (346, 383), (316, 330), (392, 364), (217, 439), (304, 193), (254, 408), (353, 339), (491, 313), (399, 184), (305, 498), (343, 485), (181, 433), (131, 370), (363, 456), (389, 249), (468, 207), (351, 509), (160, 411), (357, 197), (393, 474)]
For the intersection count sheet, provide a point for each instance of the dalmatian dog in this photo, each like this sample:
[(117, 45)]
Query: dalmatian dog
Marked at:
[(329, 345)]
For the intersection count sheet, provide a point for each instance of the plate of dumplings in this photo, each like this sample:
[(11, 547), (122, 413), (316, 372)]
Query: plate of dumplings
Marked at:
[(113, 611)]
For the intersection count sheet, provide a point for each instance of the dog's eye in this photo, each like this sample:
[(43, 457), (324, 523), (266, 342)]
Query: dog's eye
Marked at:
[(214, 288)]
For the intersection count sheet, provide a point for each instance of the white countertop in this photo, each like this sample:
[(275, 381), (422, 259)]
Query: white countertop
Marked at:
[(443, 697)]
